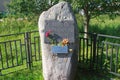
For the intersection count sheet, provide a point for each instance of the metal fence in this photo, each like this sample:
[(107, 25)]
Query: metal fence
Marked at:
[(100, 52), (19, 51)]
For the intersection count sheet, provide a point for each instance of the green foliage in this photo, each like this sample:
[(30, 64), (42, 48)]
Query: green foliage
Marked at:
[(96, 7), (27, 7), (2, 15)]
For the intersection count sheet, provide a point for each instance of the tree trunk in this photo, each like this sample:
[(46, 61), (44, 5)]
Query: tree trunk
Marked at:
[(86, 21)]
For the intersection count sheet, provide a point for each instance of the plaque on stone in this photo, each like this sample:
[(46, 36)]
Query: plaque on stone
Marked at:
[(59, 49), (60, 30)]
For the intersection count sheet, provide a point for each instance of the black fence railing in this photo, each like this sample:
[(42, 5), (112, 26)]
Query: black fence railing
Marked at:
[(19, 50), (99, 51), (87, 51), (110, 57)]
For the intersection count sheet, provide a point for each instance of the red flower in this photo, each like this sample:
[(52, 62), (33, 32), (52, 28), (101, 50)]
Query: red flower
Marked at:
[(47, 34)]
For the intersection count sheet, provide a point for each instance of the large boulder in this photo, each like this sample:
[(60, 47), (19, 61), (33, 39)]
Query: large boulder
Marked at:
[(61, 19)]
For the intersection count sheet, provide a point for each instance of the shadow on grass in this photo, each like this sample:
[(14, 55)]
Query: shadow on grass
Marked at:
[(85, 74)]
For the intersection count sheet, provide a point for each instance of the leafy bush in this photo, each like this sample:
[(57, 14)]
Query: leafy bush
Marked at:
[(27, 7), (3, 15)]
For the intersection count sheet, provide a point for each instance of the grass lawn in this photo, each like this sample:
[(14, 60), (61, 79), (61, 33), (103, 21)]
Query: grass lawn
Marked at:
[(36, 74), (25, 74)]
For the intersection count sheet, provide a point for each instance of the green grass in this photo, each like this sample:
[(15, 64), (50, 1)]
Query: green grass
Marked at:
[(102, 25), (13, 25), (25, 74), (105, 25), (16, 25)]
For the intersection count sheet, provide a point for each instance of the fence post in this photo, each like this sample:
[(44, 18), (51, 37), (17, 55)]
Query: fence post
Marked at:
[(0, 72), (29, 57), (94, 47), (0, 60)]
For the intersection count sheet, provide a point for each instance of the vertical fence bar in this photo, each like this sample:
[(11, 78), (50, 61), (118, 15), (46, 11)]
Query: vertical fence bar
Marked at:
[(0, 54), (102, 51), (30, 48), (94, 47), (91, 53), (39, 48), (11, 53), (80, 51), (0, 72), (16, 50), (21, 51), (6, 54), (35, 49), (111, 58), (25, 49), (83, 49), (116, 64), (97, 55), (1, 57), (27, 41), (1, 60), (106, 54), (78, 48), (87, 50)]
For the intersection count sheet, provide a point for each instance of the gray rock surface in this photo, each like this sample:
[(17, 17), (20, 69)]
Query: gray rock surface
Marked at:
[(58, 67)]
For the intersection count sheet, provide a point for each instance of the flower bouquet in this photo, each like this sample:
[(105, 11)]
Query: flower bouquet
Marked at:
[(61, 47)]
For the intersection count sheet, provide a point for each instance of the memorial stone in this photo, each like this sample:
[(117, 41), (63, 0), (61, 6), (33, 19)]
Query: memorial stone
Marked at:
[(59, 42)]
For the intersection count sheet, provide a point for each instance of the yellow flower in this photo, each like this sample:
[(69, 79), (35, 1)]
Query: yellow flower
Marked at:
[(65, 42)]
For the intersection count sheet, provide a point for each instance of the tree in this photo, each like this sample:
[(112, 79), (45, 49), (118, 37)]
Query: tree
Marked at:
[(27, 6), (90, 8), (30, 6), (93, 8)]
